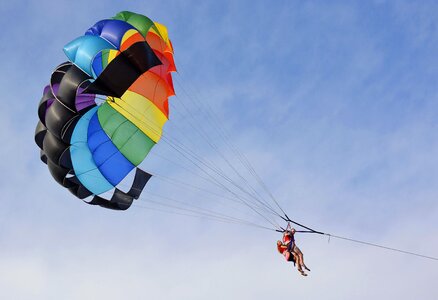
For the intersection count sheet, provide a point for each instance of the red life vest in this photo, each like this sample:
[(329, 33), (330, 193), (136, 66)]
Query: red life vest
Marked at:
[(286, 238)]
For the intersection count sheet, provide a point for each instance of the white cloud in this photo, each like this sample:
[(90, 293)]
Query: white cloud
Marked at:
[(340, 124)]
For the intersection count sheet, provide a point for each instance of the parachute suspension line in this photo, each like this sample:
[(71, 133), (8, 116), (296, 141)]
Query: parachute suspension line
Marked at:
[(227, 178), (196, 211), (186, 153), (176, 212), (208, 140), (207, 213), (205, 136), (258, 178), (175, 143), (193, 187), (199, 216), (221, 173), (215, 123), (194, 207), (258, 198), (199, 210), (242, 200)]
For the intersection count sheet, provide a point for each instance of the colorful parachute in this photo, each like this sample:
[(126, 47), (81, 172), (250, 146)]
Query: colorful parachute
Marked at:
[(105, 108)]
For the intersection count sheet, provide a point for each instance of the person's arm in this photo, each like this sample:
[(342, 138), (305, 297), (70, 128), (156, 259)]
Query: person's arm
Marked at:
[(281, 247)]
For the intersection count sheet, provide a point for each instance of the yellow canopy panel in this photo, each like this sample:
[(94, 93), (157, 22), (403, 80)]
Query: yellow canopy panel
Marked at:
[(141, 112)]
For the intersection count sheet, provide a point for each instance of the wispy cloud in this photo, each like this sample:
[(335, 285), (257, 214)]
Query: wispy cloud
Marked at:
[(334, 105)]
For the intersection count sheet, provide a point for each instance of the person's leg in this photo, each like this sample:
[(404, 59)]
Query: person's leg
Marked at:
[(300, 259), (297, 261), (303, 264), (287, 255), (299, 266)]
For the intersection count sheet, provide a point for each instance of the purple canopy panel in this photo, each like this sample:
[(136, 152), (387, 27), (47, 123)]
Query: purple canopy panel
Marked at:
[(84, 100)]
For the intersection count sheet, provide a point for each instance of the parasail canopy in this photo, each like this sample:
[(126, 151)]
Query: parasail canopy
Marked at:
[(105, 108)]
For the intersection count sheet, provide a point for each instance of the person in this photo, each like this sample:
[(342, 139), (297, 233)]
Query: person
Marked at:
[(289, 242)]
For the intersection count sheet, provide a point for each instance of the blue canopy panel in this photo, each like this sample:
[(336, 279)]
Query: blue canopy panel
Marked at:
[(110, 161), (83, 50), (110, 30), (83, 163), (97, 64)]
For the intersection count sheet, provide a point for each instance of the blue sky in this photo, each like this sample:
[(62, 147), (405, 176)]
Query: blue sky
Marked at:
[(335, 106)]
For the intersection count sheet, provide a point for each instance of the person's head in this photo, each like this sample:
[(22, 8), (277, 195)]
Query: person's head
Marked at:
[(279, 243), (292, 230)]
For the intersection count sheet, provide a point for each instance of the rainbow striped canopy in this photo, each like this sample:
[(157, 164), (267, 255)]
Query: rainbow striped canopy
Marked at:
[(105, 108)]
